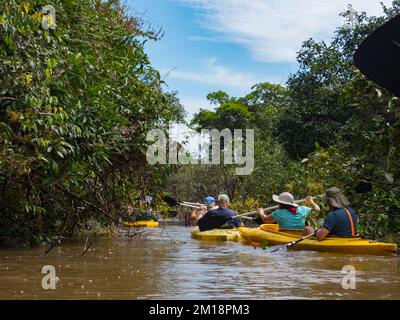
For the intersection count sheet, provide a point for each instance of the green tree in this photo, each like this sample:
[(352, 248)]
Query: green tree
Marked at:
[(314, 114), (76, 103)]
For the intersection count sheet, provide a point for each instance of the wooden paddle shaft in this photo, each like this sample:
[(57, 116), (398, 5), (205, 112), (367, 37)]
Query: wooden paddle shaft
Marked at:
[(188, 205), (291, 244), (270, 208), (192, 203)]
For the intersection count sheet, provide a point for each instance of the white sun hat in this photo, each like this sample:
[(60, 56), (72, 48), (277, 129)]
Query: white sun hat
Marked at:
[(285, 198)]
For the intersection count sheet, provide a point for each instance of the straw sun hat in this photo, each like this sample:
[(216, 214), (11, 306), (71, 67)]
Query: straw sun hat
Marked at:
[(285, 198)]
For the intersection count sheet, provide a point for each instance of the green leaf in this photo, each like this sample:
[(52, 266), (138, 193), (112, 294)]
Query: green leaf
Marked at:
[(43, 158), (389, 177), (52, 63)]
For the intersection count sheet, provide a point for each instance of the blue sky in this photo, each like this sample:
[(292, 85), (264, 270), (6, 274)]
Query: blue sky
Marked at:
[(231, 45)]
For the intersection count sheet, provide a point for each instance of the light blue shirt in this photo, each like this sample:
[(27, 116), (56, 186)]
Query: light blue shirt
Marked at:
[(290, 221)]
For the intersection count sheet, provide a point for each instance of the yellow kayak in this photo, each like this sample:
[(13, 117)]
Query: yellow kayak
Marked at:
[(141, 224), (260, 237), (216, 234)]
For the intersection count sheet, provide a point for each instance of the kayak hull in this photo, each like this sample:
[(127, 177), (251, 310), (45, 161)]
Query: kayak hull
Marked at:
[(216, 235), (141, 224), (260, 237)]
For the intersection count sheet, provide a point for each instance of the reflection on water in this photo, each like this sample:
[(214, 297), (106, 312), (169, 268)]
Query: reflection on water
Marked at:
[(170, 265)]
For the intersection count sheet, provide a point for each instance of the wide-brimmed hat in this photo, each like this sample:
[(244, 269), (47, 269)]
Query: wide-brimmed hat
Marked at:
[(285, 198), (335, 198)]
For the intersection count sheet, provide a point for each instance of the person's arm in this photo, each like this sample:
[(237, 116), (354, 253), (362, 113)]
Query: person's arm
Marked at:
[(237, 221), (322, 233), (203, 210), (315, 207), (264, 217), (193, 215), (328, 225)]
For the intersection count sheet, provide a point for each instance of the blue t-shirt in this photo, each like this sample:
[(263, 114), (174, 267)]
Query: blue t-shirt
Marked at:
[(338, 223), (289, 221), (219, 217)]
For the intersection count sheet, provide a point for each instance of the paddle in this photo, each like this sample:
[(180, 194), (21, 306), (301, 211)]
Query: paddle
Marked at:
[(215, 221), (272, 208), (192, 203), (173, 203), (288, 245)]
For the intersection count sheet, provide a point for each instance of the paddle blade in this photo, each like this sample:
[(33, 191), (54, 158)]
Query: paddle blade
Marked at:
[(170, 201), (275, 248)]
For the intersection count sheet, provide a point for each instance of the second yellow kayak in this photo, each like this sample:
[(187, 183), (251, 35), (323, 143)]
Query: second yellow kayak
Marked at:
[(260, 237), (216, 234), (141, 224)]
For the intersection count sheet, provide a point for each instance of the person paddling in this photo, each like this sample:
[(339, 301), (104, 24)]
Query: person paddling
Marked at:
[(207, 220), (341, 221), (148, 214), (210, 202), (289, 215)]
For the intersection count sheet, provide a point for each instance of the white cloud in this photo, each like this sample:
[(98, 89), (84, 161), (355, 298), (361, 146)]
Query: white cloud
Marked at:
[(273, 30), (221, 76), (194, 104), (201, 38)]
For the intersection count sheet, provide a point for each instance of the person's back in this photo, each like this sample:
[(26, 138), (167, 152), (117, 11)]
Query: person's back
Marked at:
[(224, 213), (341, 222), (220, 217), (146, 215), (291, 219), (289, 215)]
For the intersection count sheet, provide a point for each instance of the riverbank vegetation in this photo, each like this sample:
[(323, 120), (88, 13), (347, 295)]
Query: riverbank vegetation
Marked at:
[(77, 101)]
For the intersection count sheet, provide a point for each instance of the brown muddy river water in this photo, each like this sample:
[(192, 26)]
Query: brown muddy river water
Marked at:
[(168, 264)]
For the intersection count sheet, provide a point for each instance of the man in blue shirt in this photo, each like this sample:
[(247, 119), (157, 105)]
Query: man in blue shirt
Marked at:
[(220, 218), (341, 220)]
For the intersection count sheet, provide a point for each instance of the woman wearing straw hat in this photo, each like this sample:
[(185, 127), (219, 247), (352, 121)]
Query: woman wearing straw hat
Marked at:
[(289, 215), (341, 221)]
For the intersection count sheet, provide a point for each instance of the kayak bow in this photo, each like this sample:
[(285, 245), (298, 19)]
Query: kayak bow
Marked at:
[(216, 234)]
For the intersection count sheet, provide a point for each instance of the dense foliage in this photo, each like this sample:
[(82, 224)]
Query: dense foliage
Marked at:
[(76, 103)]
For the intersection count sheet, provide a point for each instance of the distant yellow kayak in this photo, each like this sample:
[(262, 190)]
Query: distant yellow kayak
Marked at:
[(141, 224), (260, 237), (216, 234)]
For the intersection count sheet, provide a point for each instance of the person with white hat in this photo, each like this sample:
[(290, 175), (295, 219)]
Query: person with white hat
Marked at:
[(289, 215)]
